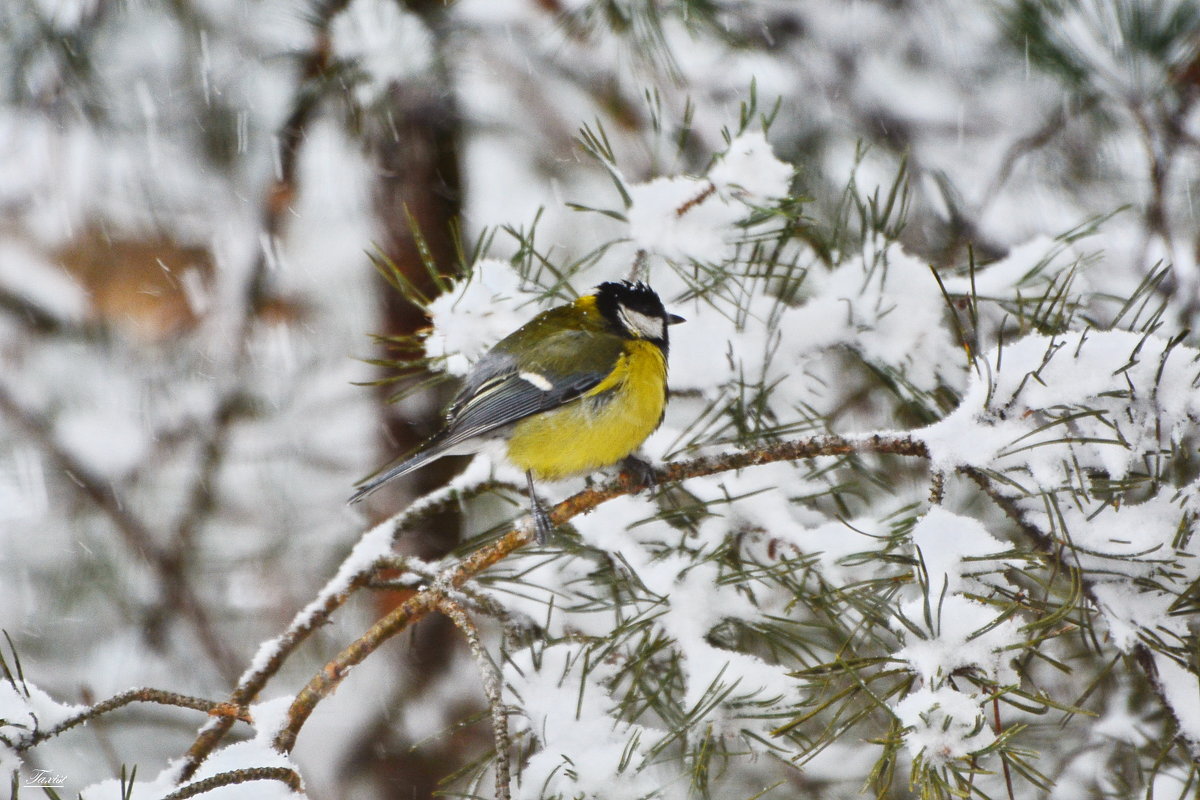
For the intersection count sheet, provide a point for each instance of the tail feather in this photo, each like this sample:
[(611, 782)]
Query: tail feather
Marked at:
[(403, 468)]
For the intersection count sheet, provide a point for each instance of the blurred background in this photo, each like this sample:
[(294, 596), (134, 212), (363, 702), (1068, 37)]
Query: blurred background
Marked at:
[(191, 193)]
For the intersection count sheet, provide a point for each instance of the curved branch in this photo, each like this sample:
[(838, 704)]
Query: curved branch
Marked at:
[(283, 774), (274, 653), (215, 708), (453, 577), (222, 709)]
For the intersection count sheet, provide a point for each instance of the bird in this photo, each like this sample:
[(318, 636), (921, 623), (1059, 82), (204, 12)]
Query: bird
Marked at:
[(576, 389)]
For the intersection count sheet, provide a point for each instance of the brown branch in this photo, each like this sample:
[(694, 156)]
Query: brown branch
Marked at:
[(332, 673), (453, 577), (283, 774), (219, 709), (691, 203), (310, 619), (252, 682)]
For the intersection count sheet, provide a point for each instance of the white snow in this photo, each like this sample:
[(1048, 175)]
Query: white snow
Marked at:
[(682, 218), (66, 15), (956, 635), (110, 443), (1041, 379), (112, 789), (686, 218), (943, 725), (476, 314), (385, 42), (953, 547), (750, 171), (269, 717), (584, 753), (27, 274), (24, 709), (945, 631)]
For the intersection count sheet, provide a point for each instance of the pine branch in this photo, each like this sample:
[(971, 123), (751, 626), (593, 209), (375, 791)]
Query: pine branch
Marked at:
[(1048, 546), (285, 775), (316, 615), (455, 576), (221, 709)]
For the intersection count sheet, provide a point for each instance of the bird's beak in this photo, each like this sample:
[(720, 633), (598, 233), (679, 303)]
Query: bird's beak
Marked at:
[(674, 319)]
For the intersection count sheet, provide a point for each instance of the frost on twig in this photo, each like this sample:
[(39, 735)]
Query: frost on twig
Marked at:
[(492, 691)]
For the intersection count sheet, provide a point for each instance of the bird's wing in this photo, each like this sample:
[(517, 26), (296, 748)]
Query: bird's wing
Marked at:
[(499, 392)]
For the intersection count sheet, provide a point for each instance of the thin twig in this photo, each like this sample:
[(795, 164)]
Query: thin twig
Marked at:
[(285, 775), (44, 321), (937, 487), (216, 708), (491, 689), (1036, 139), (253, 681)]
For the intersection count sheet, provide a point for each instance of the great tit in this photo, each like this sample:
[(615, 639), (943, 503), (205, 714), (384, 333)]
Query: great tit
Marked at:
[(577, 388)]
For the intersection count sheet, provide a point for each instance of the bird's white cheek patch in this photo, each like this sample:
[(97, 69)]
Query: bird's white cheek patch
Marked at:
[(536, 380), (646, 325)]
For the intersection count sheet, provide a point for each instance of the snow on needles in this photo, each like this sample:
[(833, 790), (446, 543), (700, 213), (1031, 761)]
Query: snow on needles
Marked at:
[(695, 219), (25, 709), (885, 305), (585, 752), (945, 630), (683, 219), (750, 171), (477, 313), (943, 724), (1044, 408), (1105, 401), (1030, 395)]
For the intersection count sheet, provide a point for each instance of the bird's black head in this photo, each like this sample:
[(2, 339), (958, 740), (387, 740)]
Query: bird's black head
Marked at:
[(635, 311)]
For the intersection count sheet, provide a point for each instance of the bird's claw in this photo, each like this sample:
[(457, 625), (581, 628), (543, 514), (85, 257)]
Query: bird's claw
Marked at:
[(542, 524), (639, 472)]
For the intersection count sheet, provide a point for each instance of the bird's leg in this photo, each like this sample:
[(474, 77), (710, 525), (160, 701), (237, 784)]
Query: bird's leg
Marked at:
[(639, 471), (541, 520)]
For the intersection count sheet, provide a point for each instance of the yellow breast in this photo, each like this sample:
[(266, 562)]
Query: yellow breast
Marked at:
[(599, 428)]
